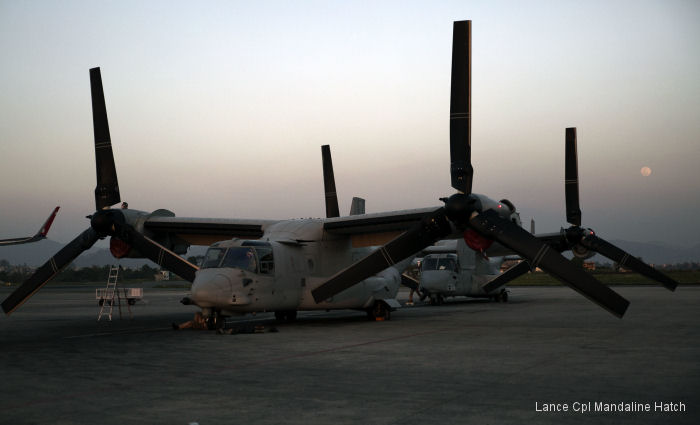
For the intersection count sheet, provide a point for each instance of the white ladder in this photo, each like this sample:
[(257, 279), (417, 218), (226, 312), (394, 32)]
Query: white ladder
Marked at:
[(111, 292)]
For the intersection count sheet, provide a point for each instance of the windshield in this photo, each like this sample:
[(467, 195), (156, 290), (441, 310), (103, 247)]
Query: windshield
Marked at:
[(256, 259), (241, 258), (431, 263), (213, 257)]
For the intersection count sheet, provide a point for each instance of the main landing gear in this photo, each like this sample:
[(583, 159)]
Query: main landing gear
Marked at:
[(501, 296), (286, 315), (436, 299), (379, 312)]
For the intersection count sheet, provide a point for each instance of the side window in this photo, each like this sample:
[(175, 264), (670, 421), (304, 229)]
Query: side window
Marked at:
[(267, 264), (429, 263)]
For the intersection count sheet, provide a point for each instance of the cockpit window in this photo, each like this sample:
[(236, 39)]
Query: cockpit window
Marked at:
[(256, 258), (241, 258), (267, 265), (263, 249), (429, 263), (213, 257), (448, 263)]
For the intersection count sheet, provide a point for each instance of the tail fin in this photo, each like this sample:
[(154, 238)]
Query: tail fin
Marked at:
[(44, 230), (358, 206)]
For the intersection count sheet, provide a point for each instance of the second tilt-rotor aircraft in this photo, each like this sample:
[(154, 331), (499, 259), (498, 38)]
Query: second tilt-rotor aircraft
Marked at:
[(289, 265)]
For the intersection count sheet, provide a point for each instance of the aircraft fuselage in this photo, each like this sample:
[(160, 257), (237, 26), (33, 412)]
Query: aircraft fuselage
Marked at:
[(278, 272)]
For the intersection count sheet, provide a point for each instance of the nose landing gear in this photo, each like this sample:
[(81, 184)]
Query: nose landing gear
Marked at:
[(213, 319), (501, 296)]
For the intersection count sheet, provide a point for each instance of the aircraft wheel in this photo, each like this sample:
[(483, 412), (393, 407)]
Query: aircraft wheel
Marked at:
[(214, 321), (378, 312), (504, 296), (423, 294), (436, 299), (286, 315)]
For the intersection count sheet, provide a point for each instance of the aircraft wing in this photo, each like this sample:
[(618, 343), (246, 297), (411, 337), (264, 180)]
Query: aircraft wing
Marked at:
[(41, 234), (379, 228), (375, 229), (206, 231), (552, 239)]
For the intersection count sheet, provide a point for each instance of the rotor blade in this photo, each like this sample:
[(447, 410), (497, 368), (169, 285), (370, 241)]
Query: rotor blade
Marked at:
[(625, 259), (573, 209), (49, 269), (548, 259), (431, 228), (332, 209), (158, 253), (517, 270), (107, 189), (460, 108)]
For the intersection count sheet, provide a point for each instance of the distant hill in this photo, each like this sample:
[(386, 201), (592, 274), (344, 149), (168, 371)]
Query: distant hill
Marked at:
[(35, 254), (657, 252)]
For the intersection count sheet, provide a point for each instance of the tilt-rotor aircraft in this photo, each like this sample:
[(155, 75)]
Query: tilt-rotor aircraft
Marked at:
[(40, 234), (290, 265), (583, 242)]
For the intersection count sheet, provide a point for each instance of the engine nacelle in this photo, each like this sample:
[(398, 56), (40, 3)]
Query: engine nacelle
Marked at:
[(135, 218), (581, 251), (514, 215), (574, 235)]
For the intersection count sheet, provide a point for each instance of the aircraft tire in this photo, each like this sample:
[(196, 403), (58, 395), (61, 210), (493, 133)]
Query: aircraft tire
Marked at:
[(215, 321), (436, 299), (379, 312), (286, 315)]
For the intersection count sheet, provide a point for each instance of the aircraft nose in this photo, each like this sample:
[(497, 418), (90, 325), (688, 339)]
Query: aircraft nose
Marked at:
[(211, 291), (434, 280)]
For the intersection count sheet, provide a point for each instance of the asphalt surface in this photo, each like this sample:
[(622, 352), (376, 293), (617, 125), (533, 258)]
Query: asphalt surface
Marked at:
[(463, 362)]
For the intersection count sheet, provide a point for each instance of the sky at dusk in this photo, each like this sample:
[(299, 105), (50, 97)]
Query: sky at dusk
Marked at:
[(219, 108)]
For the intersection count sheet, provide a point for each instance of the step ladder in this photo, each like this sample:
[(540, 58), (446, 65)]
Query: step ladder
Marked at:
[(112, 296)]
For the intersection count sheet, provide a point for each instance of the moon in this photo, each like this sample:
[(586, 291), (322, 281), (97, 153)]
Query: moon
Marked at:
[(646, 171)]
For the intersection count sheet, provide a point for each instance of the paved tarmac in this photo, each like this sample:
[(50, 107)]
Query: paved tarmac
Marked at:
[(463, 362)]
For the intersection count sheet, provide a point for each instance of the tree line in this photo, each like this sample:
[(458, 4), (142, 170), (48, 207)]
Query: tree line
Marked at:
[(18, 274)]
